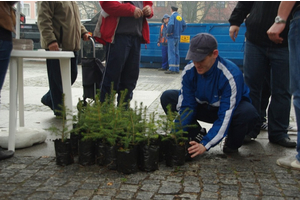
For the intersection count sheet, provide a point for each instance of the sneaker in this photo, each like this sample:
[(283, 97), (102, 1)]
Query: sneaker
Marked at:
[(264, 127), (289, 162), (292, 129)]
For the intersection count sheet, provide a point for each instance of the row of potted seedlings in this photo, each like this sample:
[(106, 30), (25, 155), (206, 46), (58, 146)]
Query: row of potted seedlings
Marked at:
[(121, 138)]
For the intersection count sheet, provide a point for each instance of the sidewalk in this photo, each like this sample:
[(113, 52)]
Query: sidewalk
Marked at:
[(33, 174)]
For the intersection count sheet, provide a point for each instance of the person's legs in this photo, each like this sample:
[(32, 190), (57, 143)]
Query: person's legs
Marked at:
[(169, 97), (294, 51), (53, 98), (130, 72), (243, 121), (256, 68), (177, 56), (265, 96), (5, 51), (164, 51), (171, 54), (280, 103), (117, 65)]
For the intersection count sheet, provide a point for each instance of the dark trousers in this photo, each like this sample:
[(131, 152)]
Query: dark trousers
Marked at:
[(122, 66), (164, 54), (243, 120), (53, 98)]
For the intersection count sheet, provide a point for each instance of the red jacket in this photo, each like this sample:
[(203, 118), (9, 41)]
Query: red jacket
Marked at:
[(115, 10)]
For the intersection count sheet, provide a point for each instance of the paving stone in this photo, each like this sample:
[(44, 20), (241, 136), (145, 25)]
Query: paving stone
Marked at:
[(252, 174), (144, 195)]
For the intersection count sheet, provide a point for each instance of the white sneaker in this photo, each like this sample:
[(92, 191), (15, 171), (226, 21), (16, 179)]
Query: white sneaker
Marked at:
[(264, 127), (292, 129), (289, 162)]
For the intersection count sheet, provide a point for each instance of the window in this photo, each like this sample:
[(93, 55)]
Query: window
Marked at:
[(26, 9), (160, 4), (220, 4)]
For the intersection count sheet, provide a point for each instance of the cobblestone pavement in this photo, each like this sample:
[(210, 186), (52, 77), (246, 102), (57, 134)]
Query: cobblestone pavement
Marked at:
[(33, 174)]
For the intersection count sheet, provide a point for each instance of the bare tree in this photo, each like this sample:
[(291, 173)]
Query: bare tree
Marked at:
[(88, 9), (206, 11)]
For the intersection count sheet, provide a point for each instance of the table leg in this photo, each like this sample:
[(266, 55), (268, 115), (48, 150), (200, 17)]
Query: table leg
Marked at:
[(13, 93), (65, 68), (21, 92)]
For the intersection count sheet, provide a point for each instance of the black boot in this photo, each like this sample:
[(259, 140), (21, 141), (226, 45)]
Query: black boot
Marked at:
[(6, 154)]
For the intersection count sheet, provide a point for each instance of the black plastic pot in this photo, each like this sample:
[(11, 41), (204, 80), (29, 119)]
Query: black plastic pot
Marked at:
[(111, 157), (127, 160), (74, 142), (100, 151), (86, 152), (148, 156), (63, 152), (175, 154)]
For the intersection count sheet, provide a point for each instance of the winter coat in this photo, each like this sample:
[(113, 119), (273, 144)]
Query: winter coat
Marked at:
[(7, 16), (114, 11), (59, 21)]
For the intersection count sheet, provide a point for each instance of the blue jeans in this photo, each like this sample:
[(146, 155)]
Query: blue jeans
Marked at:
[(243, 119), (294, 48), (53, 98), (173, 54), (164, 56), (122, 66), (259, 62), (5, 50)]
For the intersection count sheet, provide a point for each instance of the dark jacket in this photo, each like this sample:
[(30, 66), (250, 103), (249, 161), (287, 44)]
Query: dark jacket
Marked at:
[(261, 17)]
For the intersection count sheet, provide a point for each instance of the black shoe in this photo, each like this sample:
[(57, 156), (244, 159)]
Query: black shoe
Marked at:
[(227, 149), (162, 69), (4, 154), (171, 72), (285, 142), (248, 139), (43, 100)]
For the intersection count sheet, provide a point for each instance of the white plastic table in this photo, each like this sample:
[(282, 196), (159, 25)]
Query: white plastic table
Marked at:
[(16, 85)]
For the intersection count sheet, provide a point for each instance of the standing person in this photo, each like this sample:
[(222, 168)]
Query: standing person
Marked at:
[(285, 9), (163, 42), (124, 27), (7, 26), (60, 28), (213, 89), (176, 26), (263, 58)]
